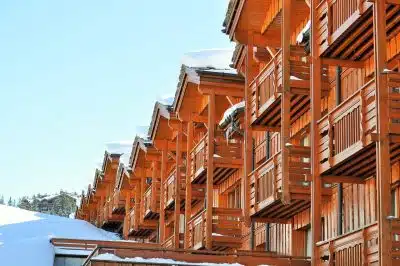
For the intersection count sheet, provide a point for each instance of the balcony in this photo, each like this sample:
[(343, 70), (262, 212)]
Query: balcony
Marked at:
[(227, 159), (395, 232), (169, 190), (151, 201), (356, 248), (108, 220), (347, 132), (138, 229), (226, 229), (266, 186), (266, 88), (118, 203), (345, 28), (169, 242)]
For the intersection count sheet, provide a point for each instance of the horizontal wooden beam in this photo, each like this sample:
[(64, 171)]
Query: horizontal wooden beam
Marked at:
[(265, 128), (343, 63), (270, 220), (343, 179)]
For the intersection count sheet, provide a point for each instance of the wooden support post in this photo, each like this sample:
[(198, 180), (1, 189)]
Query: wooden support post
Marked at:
[(177, 212), (142, 190), (188, 205), (154, 181), (210, 169), (382, 145), (251, 72), (285, 110), (316, 82), (164, 161)]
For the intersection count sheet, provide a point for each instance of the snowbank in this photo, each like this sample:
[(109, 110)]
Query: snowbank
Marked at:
[(114, 258), (25, 235)]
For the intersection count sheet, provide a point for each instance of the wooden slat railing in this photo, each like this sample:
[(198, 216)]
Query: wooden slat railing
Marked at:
[(347, 126), (268, 84), (263, 183), (335, 16), (118, 200), (227, 222), (133, 220), (151, 199), (393, 83), (356, 248), (198, 156), (395, 235)]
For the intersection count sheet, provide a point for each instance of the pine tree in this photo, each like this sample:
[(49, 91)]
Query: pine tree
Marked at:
[(24, 203), (2, 199), (10, 202)]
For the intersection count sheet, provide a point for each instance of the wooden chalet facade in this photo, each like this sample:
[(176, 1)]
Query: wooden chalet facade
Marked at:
[(294, 152)]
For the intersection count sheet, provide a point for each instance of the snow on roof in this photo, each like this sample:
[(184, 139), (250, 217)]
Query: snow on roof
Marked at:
[(300, 37), (121, 147), (28, 233), (231, 110), (166, 99), (211, 58), (114, 258)]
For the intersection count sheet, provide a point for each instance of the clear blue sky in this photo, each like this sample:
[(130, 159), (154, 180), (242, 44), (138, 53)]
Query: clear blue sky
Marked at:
[(76, 74)]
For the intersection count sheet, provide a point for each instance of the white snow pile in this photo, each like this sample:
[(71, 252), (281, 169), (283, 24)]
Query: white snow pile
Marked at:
[(114, 258), (25, 235), (166, 99), (300, 37), (211, 58), (229, 112), (121, 147)]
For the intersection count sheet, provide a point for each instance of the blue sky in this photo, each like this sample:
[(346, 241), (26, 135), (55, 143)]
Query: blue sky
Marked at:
[(76, 74)]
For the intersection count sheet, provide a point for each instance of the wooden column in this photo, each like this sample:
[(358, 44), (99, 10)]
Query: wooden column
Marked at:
[(316, 81), (164, 161), (178, 185), (210, 169), (248, 133), (188, 205), (382, 145), (285, 110), (142, 190)]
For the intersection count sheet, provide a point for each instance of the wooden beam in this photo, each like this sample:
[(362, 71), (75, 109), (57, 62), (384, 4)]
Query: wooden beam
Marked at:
[(265, 128), (383, 145), (178, 186), (210, 169), (343, 179), (285, 102), (256, 39), (188, 200), (164, 162), (271, 220), (342, 62), (316, 189)]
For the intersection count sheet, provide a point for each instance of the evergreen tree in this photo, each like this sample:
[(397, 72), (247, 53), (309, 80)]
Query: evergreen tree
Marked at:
[(10, 202), (2, 199), (24, 203)]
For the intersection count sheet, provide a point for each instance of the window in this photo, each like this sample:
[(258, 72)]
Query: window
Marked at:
[(394, 204), (308, 244)]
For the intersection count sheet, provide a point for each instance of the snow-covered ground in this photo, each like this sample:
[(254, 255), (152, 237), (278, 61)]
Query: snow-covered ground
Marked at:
[(25, 236), (112, 257)]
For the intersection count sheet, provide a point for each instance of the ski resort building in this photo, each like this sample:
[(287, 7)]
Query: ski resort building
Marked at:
[(290, 153)]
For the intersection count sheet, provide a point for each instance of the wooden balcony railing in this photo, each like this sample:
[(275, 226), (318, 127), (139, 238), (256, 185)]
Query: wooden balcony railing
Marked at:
[(198, 156), (226, 223), (169, 188), (344, 129), (267, 86), (223, 151), (335, 16), (266, 180), (395, 234), (355, 248), (169, 241), (151, 201), (133, 220), (118, 201)]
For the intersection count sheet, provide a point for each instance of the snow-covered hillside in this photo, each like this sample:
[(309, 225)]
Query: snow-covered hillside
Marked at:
[(25, 235)]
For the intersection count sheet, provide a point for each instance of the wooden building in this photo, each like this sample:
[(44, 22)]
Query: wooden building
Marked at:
[(294, 152)]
